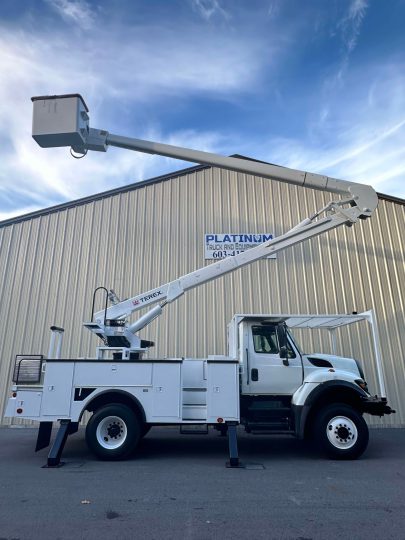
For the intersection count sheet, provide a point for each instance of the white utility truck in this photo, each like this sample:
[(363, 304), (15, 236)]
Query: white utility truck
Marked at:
[(264, 382)]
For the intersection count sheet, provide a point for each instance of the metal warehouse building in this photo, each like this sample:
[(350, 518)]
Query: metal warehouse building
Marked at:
[(138, 237)]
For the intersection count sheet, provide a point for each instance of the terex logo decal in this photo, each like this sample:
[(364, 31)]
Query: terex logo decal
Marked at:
[(144, 299)]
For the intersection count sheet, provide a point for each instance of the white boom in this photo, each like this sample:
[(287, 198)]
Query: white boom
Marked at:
[(64, 121)]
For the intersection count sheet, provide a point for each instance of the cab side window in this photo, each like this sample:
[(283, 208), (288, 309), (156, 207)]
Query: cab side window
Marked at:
[(265, 341)]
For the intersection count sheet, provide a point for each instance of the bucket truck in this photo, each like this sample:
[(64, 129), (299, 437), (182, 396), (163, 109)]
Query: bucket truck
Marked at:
[(264, 382)]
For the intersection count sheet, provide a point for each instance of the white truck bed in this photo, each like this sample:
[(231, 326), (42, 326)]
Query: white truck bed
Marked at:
[(170, 390)]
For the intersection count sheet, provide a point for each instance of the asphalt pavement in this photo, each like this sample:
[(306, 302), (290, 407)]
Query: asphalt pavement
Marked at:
[(177, 487)]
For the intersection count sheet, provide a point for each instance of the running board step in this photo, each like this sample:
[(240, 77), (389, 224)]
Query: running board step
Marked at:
[(268, 406), (272, 432), (268, 427), (194, 429), (194, 412)]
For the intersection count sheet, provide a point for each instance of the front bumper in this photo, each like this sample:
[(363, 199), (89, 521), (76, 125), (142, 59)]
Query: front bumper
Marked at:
[(376, 406)]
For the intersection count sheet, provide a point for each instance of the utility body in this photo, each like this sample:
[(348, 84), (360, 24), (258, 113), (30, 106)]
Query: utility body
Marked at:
[(263, 382)]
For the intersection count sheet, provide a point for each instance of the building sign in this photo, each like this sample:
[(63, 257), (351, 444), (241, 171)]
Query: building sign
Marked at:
[(219, 246)]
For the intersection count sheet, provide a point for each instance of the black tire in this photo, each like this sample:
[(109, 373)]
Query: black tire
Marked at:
[(145, 429), (113, 432), (340, 431)]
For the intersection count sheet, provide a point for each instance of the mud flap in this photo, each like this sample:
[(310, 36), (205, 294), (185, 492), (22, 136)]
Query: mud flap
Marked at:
[(44, 435)]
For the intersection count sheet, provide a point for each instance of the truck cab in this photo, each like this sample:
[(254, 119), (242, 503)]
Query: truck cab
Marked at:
[(283, 390)]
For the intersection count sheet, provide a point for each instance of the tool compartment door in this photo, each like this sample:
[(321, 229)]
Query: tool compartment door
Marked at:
[(222, 390), (166, 390), (57, 393), (27, 400)]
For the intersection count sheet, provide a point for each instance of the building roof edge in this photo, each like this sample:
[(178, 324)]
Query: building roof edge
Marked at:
[(101, 195), (137, 185)]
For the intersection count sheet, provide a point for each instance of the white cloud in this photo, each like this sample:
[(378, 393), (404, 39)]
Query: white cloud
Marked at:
[(364, 153), (76, 11), (351, 22), (354, 135), (358, 135), (148, 67), (209, 9), (274, 8), (348, 27)]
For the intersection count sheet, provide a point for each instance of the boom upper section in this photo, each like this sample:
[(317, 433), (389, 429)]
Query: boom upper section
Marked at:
[(64, 121)]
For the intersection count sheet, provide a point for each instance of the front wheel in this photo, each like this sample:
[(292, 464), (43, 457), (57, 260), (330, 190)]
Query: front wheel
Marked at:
[(341, 431), (113, 432)]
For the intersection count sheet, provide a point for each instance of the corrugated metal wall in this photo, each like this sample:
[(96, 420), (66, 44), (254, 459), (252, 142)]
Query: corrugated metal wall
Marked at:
[(136, 240)]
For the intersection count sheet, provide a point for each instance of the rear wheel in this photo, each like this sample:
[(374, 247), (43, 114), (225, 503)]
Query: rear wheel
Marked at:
[(341, 431), (113, 432)]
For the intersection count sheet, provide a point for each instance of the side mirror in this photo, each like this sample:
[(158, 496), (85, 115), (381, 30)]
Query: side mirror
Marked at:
[(282, 343)]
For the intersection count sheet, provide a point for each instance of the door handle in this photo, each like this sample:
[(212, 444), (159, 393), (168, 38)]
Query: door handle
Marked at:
[(255, 374), (247, 367)]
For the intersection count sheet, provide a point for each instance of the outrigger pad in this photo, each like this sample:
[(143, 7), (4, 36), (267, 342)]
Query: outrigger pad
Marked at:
[(236, 464)]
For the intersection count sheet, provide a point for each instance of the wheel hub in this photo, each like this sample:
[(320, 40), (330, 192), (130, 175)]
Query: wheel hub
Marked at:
[(114, 430), (342, 432), (111, 432)]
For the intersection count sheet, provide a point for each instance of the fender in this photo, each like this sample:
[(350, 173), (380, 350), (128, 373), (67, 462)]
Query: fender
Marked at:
[(123, 397), (305, 398)]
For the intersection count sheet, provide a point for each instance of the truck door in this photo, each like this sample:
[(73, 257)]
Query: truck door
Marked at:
[(265, 372)]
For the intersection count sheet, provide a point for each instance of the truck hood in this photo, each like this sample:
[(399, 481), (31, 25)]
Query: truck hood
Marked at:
[(337, 362)]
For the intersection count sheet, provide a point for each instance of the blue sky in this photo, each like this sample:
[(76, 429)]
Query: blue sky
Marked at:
[(317, 85)]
